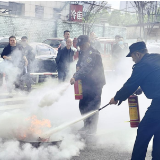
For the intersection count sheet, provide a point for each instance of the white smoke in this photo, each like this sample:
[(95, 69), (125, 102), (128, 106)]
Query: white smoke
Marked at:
[(58, 109), (113, 130), (13, 150), (11, 67), (55, 102)]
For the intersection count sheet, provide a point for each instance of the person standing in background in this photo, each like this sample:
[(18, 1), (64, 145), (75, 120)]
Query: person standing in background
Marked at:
[(16, 60), (66, 36), (64, 59), (27, 51)]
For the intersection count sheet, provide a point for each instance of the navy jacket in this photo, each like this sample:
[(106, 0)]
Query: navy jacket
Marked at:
[(146, 74), (91, 70), (7, 51), (64, 58), (17, 58)]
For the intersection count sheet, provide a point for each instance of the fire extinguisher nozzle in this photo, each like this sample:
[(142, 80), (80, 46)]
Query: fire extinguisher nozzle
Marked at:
[(103, 107)]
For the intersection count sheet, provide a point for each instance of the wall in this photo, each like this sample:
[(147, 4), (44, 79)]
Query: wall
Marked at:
[(76, 29), (35, 29), (49, 6), (38, 30), (134, 31)]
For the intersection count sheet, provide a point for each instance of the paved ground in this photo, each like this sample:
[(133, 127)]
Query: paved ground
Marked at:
[(95, 151), (92, 151)]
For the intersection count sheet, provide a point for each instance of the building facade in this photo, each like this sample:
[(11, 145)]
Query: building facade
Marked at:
[(35, 9), (39, 20)]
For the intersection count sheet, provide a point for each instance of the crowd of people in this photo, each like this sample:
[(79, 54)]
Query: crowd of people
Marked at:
[(18, 57), (145, 77), (89, 69)]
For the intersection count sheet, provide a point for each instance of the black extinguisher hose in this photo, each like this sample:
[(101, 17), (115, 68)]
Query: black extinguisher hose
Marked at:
[(103, 107)]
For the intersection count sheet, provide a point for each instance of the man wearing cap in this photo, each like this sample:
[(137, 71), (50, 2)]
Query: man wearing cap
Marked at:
[(90, 71), (146, 74)]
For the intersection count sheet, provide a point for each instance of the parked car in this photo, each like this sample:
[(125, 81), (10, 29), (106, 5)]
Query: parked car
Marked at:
[(53, 42), (44, 58), (106, 52)]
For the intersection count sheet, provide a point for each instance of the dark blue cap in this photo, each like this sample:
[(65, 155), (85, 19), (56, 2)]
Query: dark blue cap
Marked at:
[(82, 39), (136, 47)]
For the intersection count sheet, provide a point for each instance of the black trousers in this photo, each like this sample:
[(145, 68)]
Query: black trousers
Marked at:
[(62, 76), (91, 101), (148, 127), (22, 79)]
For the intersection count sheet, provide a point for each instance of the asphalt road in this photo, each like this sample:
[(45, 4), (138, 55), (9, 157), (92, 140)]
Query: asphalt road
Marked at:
[(96, 151), (92, 151)]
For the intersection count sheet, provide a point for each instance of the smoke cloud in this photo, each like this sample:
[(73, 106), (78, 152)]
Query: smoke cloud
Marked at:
[(55, 102)]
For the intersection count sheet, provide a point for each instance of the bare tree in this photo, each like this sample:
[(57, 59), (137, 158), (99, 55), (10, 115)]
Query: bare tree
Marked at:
[(146, 12), (91, 10), (152, 13)]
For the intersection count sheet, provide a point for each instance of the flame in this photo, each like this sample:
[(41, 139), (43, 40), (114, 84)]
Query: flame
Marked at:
[(36, 127), (23, 136)]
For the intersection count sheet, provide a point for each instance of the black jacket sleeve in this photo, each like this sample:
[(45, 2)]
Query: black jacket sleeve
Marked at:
[(138, 75), (86, 68), (4, 53), (58, 57), (31, 54)]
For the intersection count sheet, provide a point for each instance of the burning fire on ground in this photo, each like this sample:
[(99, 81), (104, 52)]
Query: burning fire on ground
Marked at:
[(35, 129)]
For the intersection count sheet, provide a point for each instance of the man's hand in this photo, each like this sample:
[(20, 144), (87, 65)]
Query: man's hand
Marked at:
[(26, 61), (72, 81), (6, 57), (112, 101)]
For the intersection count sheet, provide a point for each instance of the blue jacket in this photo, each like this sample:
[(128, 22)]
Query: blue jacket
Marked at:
[(91, 70), (145, 74), (64, 58)]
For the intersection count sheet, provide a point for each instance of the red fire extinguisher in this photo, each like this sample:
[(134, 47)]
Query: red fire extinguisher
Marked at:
[(78, 90), (134, 111), (78, 83)]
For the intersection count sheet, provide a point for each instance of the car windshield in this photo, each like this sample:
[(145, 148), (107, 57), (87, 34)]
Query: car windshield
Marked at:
[(45, 50), (53, 43)]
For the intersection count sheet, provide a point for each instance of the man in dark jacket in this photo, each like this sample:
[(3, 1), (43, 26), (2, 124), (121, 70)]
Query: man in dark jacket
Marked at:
[(13, 56), (90, 71), (119, 49), (64, 59), (146, 74), (26, 50)]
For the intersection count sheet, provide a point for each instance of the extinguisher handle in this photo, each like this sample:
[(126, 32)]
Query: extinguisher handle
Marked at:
[(120, 102)]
